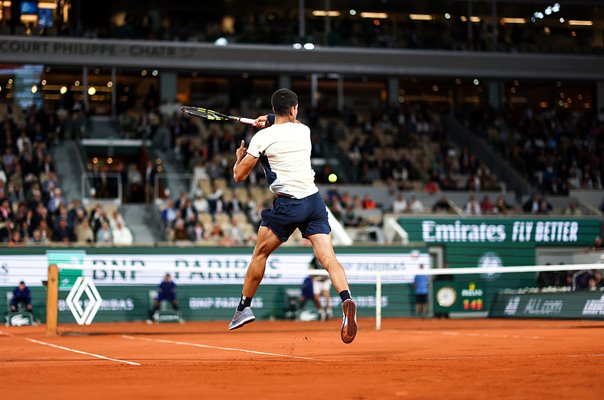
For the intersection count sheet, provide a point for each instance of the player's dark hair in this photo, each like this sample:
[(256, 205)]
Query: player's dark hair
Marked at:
[(282, 101)]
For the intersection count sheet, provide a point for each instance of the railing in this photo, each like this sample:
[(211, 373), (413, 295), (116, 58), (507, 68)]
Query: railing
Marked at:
[(165, 185), (102, 187)]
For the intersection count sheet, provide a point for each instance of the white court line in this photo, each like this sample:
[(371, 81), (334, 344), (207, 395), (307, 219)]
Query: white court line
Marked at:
[(489, 335), (82, 352), (206, 346), (452, 358)]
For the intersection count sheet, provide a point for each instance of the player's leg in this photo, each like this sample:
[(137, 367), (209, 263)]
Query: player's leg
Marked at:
[(323, 248), (324, 252), (174, 304), (266, 244)]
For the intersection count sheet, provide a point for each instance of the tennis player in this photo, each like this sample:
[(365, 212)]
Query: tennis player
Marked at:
[(283, 148)]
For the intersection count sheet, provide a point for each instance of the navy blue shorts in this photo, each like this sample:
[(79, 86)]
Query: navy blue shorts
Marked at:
[(308, 214)]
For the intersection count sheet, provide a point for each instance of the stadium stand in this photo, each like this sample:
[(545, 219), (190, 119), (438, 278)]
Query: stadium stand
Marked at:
[(269, 25)]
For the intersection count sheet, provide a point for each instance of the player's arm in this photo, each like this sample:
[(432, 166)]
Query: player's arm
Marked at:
[(244, 164)]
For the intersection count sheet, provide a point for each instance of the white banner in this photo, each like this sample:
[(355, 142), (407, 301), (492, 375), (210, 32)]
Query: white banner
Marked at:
[(31, 269), (210, 268)]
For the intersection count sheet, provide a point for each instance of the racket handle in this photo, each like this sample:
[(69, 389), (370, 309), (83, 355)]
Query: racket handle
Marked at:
[(247, 121)]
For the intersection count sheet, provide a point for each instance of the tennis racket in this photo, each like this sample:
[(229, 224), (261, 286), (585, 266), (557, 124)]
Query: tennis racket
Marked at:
[(212, 115)]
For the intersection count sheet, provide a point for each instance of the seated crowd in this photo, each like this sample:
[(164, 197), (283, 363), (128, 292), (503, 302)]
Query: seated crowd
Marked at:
[(556, 150), (33, 208)]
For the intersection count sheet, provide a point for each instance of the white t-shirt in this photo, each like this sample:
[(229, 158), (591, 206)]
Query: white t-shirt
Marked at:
[(284, 151)]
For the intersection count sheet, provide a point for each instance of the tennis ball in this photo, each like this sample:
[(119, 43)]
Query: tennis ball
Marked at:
[(332, 178)]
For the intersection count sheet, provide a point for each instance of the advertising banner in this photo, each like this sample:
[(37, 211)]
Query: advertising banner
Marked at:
[(498, 230), (205, 268), (583, 305), (459, 297), (208, 279)]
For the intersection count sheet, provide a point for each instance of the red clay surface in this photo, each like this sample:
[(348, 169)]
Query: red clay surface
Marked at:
[(408, 359)]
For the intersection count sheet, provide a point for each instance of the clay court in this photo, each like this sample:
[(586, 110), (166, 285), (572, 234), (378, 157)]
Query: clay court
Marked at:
[(431, 359)]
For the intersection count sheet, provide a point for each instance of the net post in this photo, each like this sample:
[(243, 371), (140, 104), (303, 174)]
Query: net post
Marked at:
[(378, 301), (52, 301)]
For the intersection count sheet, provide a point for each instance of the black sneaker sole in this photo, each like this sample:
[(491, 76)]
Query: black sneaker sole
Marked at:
[(349, 327)]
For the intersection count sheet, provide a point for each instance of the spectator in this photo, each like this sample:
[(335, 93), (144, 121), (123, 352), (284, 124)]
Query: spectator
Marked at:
[(399, 205), (545, 207), (45, 232), (415, 206), (367, 203), (168, 215), (121, 234), (56, 199), (472, 206), (486, 206), (104, 235), (63, 233), (572, 209), (597, 246), (501, 206), (531, 206), (149, 179), (180, 231), (598, 280), (84, 233), (350, 217), (166, 292), (6, 217), (135, 184), (201, 203), (197, 233), (442, 205), (21, 295), (37, 238)]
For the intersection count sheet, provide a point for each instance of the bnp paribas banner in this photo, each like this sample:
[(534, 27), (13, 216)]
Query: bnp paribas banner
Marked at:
[(499, 241), (207, 266)]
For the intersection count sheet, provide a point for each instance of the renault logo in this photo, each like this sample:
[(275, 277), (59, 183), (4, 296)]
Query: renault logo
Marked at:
[(84, 316)]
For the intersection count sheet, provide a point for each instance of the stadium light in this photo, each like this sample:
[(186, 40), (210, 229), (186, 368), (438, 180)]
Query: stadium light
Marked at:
[(508, 20), (325, 13), (297, 46), (420, 17), (309, 46), (46, 5), (579, 22), (377, 15), (221, 41)]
